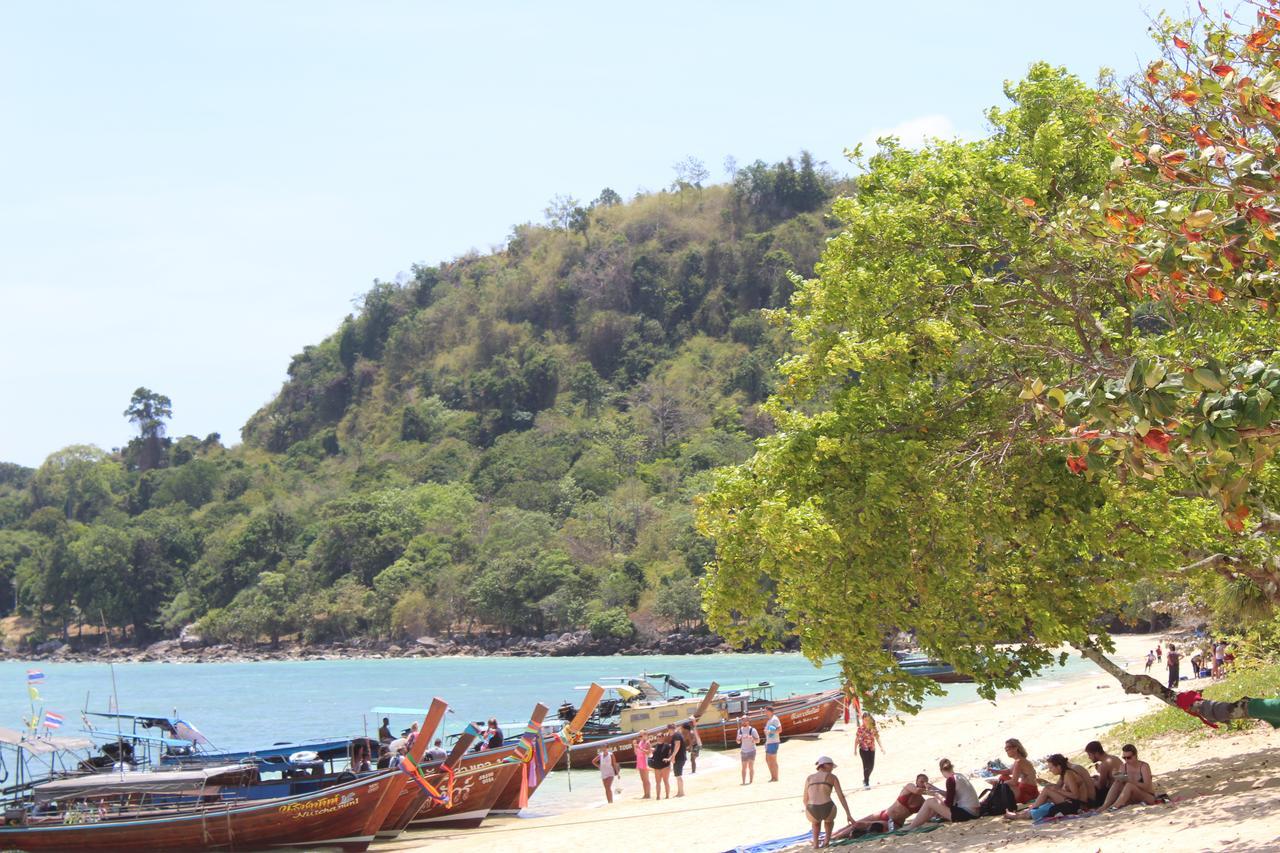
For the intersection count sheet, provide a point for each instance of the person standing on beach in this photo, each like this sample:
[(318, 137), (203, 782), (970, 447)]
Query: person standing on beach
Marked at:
[(867, 738), (747, 740), (695, 743), (680, 754), (642, 748), (772, 740), (1159, 652), (660, 764), (1151, 659), (1173, 662), (609, 770), (818, 805), (1219, 658)]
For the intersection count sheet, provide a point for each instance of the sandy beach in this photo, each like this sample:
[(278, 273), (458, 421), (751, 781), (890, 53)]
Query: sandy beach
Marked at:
[(1224, 788)]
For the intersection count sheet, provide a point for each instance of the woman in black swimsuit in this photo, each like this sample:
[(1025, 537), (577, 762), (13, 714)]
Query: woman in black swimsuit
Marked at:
[(818, 805)]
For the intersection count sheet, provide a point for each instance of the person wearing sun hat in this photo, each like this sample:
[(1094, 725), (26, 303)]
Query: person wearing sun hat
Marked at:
[(818, 804)]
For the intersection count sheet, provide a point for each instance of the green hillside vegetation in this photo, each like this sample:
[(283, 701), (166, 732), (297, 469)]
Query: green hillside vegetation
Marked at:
[(504, 442)]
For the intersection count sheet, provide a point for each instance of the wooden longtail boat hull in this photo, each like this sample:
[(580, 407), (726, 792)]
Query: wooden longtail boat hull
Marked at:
[(801, 715), (473, 796), (335, 817), (508, 801)]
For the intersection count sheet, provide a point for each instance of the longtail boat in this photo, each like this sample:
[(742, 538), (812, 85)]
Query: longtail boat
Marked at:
[(344, 816), (718, 723), (515, 796), (415, 797)]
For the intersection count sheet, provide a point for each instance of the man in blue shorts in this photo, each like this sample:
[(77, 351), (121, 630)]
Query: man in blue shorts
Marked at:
[(772, 740)]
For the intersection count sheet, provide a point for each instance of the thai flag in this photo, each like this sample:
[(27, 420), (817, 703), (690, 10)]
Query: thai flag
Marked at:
[(34, 676), (52, 720)]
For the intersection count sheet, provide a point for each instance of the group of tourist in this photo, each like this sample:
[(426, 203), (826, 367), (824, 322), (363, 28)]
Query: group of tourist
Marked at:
[(1211, 660), (661, 755), (1115, 782)]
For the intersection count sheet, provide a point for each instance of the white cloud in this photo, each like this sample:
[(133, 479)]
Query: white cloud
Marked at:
[(913, 132)]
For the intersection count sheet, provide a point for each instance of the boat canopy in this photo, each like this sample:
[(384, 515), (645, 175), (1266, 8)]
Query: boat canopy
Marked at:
[(737, 688), (44, 745), (175, 726), (143, 782)]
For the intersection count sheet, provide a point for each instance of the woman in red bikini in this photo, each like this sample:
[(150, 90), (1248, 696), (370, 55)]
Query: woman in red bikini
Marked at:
[(909, 801), (1021, 777)]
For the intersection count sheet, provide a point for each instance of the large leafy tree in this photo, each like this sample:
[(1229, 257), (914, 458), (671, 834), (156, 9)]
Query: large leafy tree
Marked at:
[(907, 488)]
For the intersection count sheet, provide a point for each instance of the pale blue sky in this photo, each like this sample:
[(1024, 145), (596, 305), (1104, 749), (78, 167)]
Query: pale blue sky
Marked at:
[(192, 192)]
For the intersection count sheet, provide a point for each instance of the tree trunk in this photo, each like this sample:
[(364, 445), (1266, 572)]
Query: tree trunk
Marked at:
[(1145, 685)]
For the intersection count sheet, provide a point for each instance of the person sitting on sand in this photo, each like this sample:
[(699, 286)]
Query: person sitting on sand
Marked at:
[(1134, 783), (959, 804), (818, 805), (1107, 766), (1072, 792), (1021, 777), (910, 800)]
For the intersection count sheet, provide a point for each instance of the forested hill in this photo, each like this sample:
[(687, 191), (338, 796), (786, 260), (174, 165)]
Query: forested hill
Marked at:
[(503, 442)]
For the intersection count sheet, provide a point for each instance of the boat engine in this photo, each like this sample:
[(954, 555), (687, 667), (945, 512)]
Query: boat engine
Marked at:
[(567, 712)]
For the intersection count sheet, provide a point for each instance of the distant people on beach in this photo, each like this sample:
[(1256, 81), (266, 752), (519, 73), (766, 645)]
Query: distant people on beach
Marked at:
[(958, 803), (747, 740), (384, 731), (1173, 662), (1018, 781), (1159, 651), (1219, 659), (660, 764), (772, 740), (642, 748), (1107, 766), (819, 806), (1151, 659), (679, 753), (868, 739), (1135, 782), (607, 761), (1072, 793), (695, 743)]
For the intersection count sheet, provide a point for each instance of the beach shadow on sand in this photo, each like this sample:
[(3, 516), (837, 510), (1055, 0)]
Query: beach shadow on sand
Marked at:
[(1228, 790)]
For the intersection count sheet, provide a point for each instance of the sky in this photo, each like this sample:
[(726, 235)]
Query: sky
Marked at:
[(192, 192)]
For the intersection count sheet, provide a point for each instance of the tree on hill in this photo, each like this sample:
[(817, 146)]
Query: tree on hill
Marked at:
[(148, 411)]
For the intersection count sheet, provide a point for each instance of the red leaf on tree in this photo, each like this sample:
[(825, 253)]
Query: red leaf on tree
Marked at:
[(1029, 202), (1180, 43), (1259, 214), (1233, 256), (1083, 434), (1157, 439), (1187, 97), (1216, 295), (1173, 158), (1222, 70), (1258, 40), (1234, 524), (1202, 139), (1077, 464), (1134, 219), (1139, 270), (1115, 220), (1192, 236)]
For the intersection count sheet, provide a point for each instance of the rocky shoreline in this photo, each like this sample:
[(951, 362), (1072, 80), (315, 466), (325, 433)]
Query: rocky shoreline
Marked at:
[(192, 649)]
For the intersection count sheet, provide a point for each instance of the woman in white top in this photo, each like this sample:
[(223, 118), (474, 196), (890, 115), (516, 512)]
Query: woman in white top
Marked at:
[(609, 769), (960, 803), (747, 740)]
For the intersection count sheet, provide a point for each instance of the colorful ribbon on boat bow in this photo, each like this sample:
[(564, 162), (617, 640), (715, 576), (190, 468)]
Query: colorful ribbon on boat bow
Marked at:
[(414, 772), (531, 752)]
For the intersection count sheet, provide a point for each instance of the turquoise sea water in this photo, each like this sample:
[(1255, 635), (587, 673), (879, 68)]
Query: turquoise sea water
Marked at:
[(244, 705), (248, 705)]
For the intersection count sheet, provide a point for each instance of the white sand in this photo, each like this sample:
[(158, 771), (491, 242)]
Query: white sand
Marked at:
[(1227, 785)]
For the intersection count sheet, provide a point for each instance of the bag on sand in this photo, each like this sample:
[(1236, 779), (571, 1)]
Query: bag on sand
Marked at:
[(998, 800)]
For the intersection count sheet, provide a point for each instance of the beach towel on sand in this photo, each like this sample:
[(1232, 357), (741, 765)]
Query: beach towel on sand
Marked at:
[(802, 838)]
